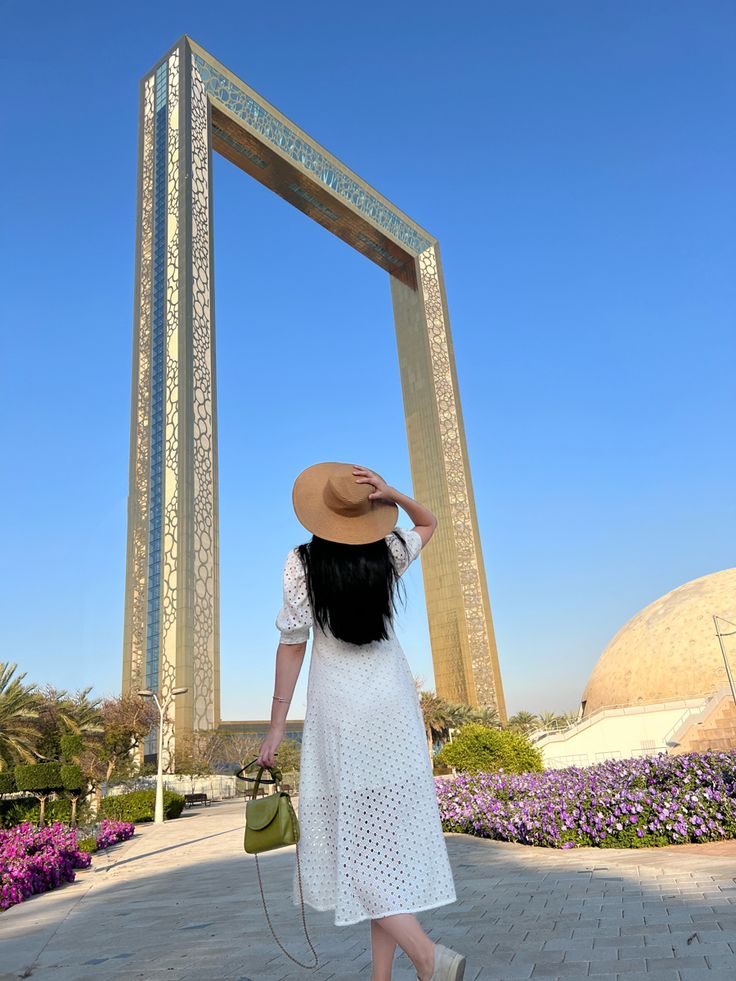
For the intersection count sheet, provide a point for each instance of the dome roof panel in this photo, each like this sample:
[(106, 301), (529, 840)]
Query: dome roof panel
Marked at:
[(669, 649)]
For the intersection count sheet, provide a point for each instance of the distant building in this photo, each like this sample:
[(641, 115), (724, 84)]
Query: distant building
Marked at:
[(661, 684), (259, 729)]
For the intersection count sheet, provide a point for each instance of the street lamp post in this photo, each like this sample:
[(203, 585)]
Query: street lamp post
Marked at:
[(158, 817), (720, 636)]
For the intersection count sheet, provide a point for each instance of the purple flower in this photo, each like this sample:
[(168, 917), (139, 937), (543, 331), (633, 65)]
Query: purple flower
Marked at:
[(111, 832), (664, 799), (33, 860)]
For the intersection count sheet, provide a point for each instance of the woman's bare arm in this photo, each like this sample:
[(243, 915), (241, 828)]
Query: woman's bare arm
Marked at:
[(424, 521), (289, 658)]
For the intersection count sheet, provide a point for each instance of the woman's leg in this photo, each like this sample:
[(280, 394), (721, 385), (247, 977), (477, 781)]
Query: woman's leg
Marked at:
[(405, 930), (383, 948)]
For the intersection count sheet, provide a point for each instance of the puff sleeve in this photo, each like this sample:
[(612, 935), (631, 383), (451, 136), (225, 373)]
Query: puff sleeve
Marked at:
[(413, 540), (295, 616)]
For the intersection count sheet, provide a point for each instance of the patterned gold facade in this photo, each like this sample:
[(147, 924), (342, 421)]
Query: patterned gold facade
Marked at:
[(191, 104)]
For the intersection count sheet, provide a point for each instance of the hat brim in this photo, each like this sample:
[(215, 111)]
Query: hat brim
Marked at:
[(312, 512)]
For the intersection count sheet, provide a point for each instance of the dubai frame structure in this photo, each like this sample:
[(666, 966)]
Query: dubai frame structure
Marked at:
[(189, 105)]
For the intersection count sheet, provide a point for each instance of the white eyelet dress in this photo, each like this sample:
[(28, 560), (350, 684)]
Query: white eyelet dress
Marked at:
[(371, 841)]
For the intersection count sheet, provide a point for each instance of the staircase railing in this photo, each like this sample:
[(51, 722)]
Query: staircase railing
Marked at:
[(688, 717)]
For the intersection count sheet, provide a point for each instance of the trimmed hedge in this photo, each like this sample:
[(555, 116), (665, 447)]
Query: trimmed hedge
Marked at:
[(7, 782), (72, 777), (39, 777), (139, 806), (479, 748), (88, 845), (71, 747)]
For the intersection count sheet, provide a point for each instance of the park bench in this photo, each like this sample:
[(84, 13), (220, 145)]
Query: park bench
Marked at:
[(190, 799)]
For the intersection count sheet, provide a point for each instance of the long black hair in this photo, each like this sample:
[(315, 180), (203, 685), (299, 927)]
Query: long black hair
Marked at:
[(352, 588)]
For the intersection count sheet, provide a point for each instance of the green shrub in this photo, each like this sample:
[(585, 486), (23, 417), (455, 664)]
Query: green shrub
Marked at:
[(71, 777), (7, 782), (38, 777), (88, 845), (41, 780), (19, 809), (71, 747), (139, 805), (477, 748)]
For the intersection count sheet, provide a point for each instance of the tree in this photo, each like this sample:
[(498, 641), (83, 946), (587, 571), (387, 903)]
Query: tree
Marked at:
[(457, 714), (524, 722), (196, 753), (75, 785), (288, 755), (61, 713), (7, 782), (75, 782), (126, 721), (41, 780), (239, 748), (435, 715), (550, 720), (478, 748), (487, 716), (18, 718)]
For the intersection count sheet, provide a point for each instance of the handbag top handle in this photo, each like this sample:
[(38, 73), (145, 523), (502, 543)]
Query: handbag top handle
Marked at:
[(273, 770)]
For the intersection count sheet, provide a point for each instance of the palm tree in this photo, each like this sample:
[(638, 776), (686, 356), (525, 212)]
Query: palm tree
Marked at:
[(458, 715), (549, 720), (570, 717), (486, 716), (436, 719), (18, 715), (86, 716), (65, 714), (523, 722)]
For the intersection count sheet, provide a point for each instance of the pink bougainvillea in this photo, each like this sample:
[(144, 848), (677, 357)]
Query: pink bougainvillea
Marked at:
[(33, 860), (111, 832)]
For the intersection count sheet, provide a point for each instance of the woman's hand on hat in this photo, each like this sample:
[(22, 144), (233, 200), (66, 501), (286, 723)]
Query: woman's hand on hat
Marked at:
[(381, 492)]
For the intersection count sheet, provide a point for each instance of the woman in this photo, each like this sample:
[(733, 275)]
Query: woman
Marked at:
[(371, 844)]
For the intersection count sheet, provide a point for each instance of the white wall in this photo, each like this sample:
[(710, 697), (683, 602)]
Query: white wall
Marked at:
[(617, 734)]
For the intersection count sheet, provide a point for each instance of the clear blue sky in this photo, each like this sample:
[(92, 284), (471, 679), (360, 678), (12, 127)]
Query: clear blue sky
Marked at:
[(576, 161)]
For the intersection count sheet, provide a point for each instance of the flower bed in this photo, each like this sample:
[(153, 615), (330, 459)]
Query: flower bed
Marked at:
[(653, 800), (111, 832), (33, 860)]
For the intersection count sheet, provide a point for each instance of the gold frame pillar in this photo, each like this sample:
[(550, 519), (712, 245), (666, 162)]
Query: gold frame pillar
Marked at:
[(190, 104), (464, 654)]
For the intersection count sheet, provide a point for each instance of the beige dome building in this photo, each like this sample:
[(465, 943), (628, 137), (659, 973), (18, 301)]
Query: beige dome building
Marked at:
[(661, 684), (668, 650)]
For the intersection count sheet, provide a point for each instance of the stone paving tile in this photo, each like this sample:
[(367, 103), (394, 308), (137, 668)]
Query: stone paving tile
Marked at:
[(687, 975), (652, 976), (570, 969), (182, 902), (634, 965), (680, 963)]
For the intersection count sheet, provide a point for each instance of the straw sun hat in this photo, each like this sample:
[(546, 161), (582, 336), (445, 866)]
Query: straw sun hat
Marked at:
[(329, 503)]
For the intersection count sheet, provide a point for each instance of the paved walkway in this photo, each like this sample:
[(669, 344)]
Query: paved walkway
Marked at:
[(181, 901)]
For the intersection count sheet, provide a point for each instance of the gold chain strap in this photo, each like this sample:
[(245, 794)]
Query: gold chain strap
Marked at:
[(301, 896)]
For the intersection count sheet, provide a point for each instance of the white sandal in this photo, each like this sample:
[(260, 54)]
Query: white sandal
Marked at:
[(448, 964)]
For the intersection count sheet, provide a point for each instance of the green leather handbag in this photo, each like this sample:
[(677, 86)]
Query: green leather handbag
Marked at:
[(271, 822)]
